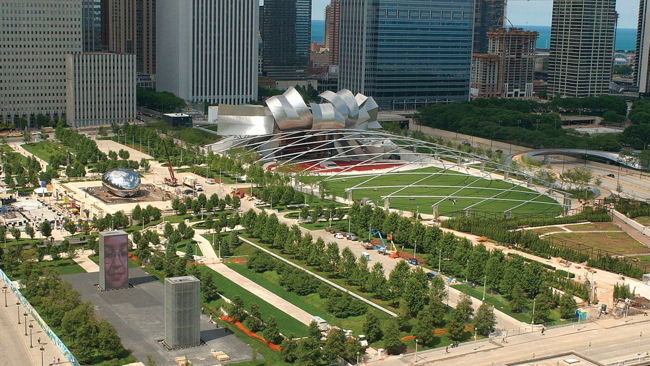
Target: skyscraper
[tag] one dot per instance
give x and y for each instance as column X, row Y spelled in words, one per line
column 130, row 27
column 516, row 51
column 286, row 34
column 582, row 47
column 34, row 43
column 92, row 25
column 406, row 53
column 208, row 49
column 488, row 16
column 642, row 61
column 332, row 25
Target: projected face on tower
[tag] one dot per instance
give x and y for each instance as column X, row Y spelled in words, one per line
column 114, row 247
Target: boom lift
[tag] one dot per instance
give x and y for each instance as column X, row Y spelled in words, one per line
column 169, row 181
column 382, row 249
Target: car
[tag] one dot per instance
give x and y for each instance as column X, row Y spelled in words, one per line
column 611, row 175
column 338, row 236
column 198, row 187
column 351, row 236
column 431, row 276
column 412, row 261
column 210, row 181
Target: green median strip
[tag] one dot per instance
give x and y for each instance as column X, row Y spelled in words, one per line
column 229, row 289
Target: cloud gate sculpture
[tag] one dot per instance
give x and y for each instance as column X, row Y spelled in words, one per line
column 289, row 112
column 121, row 182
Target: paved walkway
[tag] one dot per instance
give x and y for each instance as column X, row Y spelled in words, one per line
column 81, row 258
column 19, row 149
column 14, row 345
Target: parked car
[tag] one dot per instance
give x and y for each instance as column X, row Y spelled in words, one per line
column 338, row 236
column 412, row 261
column 210, row 181
column 611, row 175
column 351, row 236
column 431, row 276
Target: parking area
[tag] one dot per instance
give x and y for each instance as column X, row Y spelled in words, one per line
column 32, row 211
column 138, row 315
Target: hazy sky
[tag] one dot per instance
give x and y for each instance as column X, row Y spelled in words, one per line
column 531, row 12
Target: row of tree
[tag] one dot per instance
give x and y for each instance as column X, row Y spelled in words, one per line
column 91, row 340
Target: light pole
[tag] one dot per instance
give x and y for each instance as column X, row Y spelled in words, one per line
column 532, row 319
column 474, row 338
column 25, row 322
column 484, row 282
column 42, row 349
column 18, row 311
column 4, row 290
column 31, row 344
column 415, row 358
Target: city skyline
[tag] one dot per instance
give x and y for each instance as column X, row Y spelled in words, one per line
column 533, row 13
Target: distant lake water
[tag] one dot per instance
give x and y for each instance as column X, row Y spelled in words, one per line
column 625, row 38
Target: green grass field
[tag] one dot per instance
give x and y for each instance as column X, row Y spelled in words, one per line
column 44, row 149
column 452, row 183
column 62, row 266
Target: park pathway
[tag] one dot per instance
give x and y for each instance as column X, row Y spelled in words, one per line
column 84, row 262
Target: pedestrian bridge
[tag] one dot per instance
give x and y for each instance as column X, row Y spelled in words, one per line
column 612, row 157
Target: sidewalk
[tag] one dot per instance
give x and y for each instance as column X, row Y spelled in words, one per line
column 84, row 262
column 14, row 345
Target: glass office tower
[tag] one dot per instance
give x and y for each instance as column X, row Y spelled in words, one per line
column 407, row 53
column 286, row 34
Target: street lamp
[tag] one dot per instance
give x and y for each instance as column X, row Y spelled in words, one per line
column 415, row 358
column 25, row 322
column 532, row 319
column 474, row 338
column 42, row 349
column 4, row 290
column 31, row 344
column 18, row 311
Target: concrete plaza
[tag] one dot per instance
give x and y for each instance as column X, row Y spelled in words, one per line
column 138, row 315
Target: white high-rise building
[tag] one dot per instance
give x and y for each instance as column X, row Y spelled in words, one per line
column 207, row 50
column 642, row 61
column 35, row 37
column 100, row 88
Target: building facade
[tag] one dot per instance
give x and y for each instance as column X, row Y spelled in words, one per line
column 332, row 26
column 582, row 47
column 642, row 60
column 406, row 53
column 211, row 49
column 182, row 309
column 488, row 16
column 516, row 50
column 35, row 37
column 130, row 27
column 487, row 78
column 100, row 89
column 92, row 25
column 286, row 33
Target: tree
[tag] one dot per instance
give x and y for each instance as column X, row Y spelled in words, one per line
column 464, row 307
column 542, row 307
column 254, row 319
column 123, row 154
column 456, row 329
column 208, row 287
column 334, row 345
column 438, row 311
column 271, row 333
column 236, row 309
column 392, row 341
column 372, row 328
column 414, row 295
column 15, row 232
column 288, row 348
column 109, row 341
column 437, row 289
column 29, row 230
column 567, row 306
column 485, row 319
column 424, row 326
column 518, row 299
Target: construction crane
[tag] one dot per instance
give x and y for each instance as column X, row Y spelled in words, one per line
column 382, row 248
column 169, row 181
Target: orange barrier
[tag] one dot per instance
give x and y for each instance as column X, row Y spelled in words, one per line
column 243, row 329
